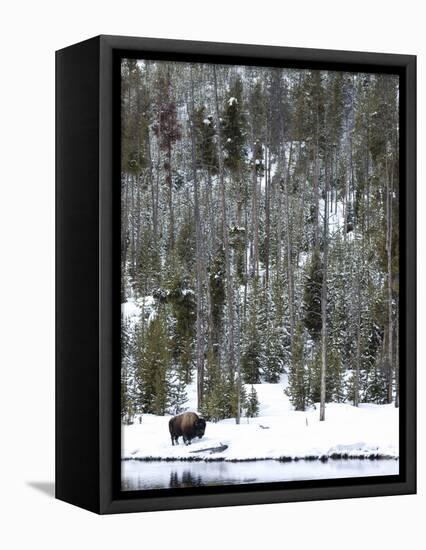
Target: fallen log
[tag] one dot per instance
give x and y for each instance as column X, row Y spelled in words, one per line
column 212, row 450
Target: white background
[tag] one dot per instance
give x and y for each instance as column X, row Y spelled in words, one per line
column 30, row 32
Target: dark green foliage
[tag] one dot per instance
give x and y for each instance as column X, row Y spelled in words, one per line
column 231, row 397
column 148, row 264
column 237, row 240
column 178, row 397
column 135, row 125
column 383, row 113
column 274, row 354
column 185, row 245
column 127, row 374
column 312, row 101
column 376, row 383
column 334, row 109
column 153, row 366
column 298, row 381
column 257, row 124
column 217, row 295
column 234, row 132
column 252, row 404
column 335, row 382
column 251, row 359
column 250, row 362
column 313, row 385
column 181, row 299
column 205, row 139
column 166, row 126
column 214, row 406
column 220, row 397
column 336, row 389
column 312, row 295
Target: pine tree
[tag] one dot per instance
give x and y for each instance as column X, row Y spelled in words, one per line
column 153, row 366
column 212, row 403
column 252, row 407
column 335, row 388
column 177, row 394
column 181, row 298
column 312, row 295
column 136, row 101
column 204, row 125
column 234, row 123
column 274, row 354
column 147, row 263
column 297, row 376
column 128, row 405
column 220, row 395
column 217, row 299
column 251, row 360
column 314, row 376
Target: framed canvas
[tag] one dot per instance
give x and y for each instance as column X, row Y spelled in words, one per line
column 236, row 278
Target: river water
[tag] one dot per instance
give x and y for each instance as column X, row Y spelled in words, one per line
column 139, row 475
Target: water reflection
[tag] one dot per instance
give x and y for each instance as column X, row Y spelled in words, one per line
column 185, row 479
column 138, row 475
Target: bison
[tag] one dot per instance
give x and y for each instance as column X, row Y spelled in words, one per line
column 188, row 425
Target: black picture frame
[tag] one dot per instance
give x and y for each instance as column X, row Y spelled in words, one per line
column 88, row 275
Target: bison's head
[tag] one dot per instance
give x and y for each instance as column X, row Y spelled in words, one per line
column 200, row 427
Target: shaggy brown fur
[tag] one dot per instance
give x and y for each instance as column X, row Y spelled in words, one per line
column 188, row 425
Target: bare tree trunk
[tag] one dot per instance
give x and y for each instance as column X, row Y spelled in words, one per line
column 211, row 212
column 358, row 357
column 154, row 192
column 132, row 225
column 238, row 417
column 279, row 231
column 389, row 281
column 346, row 204
column 229, row 285
column 255, row 221
column 125, row 217
column 267, row 207
column 246, row 267
column 300, row 225
column 316, row 192
column 139, row 209
column 397, row 357
column 289, row 248
column 324, row 308
column 154, row 204
column 170, row 199
column 158, row 170
column 199, row 266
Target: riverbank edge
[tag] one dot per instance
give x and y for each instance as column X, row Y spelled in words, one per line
column 321, row 458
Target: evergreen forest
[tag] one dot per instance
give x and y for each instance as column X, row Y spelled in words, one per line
column 259, row 237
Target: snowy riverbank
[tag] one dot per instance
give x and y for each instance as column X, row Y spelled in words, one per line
column 279, row 432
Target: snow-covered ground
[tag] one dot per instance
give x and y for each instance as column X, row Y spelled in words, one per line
column 279, row 432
